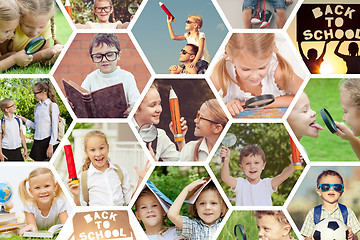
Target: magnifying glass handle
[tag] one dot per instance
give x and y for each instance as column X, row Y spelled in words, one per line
column 222, row 159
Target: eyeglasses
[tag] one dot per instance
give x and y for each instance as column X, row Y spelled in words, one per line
column 325, row 187
column 11, row 106
column 37, row 92
column 185, row 52
column 106, row 9
column 188, row 21
column 199, row 117
column 98, row 57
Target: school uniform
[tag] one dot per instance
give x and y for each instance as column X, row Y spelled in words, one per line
column 11, row 140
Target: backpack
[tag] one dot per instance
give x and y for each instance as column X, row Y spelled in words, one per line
column 343, row 209
column 84, row 186
column 61, row 125
column 3, row 126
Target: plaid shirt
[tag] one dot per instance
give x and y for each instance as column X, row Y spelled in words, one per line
column 309, row 225
column 197, row 230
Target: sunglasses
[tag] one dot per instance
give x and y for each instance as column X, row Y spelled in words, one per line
column 325, row 187
column 106, row 9
column 200, row 117
column 11, row 106
column 188, row 21
column 185, row 52
column 98, row 57
column 37, row 92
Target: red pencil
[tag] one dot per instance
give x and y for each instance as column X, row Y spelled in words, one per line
column 70, row 163
column 166, row 11
column 68, row 8
column 295, row 155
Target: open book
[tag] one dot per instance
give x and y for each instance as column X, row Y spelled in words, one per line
column 108, row 102
column 194, row 194
column 45, row 234
column 162, row 198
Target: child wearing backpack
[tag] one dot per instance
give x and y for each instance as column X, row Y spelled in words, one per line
column 11, row 135
column 330, row 187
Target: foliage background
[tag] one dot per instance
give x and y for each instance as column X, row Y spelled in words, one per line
column 274, row 140
column 83, row 10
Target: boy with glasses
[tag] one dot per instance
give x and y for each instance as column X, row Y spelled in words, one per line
column 105, row 53
column 11, row 135
column 187, row 55
column 330, row 187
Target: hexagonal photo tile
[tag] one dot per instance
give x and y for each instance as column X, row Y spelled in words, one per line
column 110, row 71
column 101, row 14
column 329, row 192
column 327, row 36
column 314, row 112
column 257, row 14
column 265, row 175
column 262, row 65
column 192, row 111
column 203, row 28
column 25, row 189
column 102, row 164
column 38, row 39
column 260, row 224
column 202, row 212
column 34, row 119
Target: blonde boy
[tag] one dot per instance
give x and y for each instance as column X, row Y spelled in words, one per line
column 11, row 135
column 252, row 191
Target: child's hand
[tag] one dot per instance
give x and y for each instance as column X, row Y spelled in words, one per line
column 127, row 111
column 22, row 59
column 50, row 151
column 351, row 234
column 74, row 188
column 142, row 172
column 194, row 184
column 152, row 152
column 27, row 228
column 344, row 132
column 169, row 20
column 184, row 127
column 2, row 157
column 22, row 118
column 234, row 107
column 175, row 69
column 53, row 54
column 225, row 154
column 25, row 155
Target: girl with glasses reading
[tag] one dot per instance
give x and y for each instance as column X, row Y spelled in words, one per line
column 209, row 123
column 194, row 36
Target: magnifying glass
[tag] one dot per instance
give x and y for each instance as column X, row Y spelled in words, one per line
column 328, row 120
column 239, row 232
column 133, row 7
column 35, row 45
column 228, row 141
column 148, row 132
column 259, row 101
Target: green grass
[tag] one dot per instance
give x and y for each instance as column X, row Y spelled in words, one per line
column 63, row 32
column 324, row 93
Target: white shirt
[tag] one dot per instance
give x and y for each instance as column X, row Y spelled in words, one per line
column 205, row 55
column 97, row 80
column 105, row 188
column 43, row 125
column 248, row 194
column 169, row 234
column 110, row 25
column 11, row 140
column 45, row 222
column 187, row 153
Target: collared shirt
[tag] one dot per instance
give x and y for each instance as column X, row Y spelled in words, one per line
column 187, row 153
column 309, row 225
column 197, row 230
column 43, row 125
column 11, row 140
column 105, row 188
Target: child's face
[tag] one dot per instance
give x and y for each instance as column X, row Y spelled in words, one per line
column 105, row 65
column 102, row 10
column 11, row 107
column 251, row 71
column 330, row 196
column 252, row 167
column 149, row 211
column 271, row 229
column 191, row 25
column 208, row 206
column 42, row 188
column 302, row 119
column 97, row 150
column 32, row 26
column 204, row 128
column 351, row 113
column 150, row 109
column 7, row 29
column 39, row 95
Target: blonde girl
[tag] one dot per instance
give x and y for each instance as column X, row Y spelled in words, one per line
column 149, row 111
column 350, row 102
column 106, row 184
column 46, row 120
column 203, row 225
column 103, row 17
column 150, row 212
column 42, row 199
column 194, row 36
column 252, row 66
column 9, row 20
column 37, row 19
column 209, row 123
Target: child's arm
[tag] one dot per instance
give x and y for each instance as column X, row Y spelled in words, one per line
column 23, row 142
column 336, row 51
column 48, row 55
column 184, row 129
column 199, row 53
column 31, row 224
column 175, row 69
column 63, row 217
column 75, row 190
column 171, row 31
column 301, row 51
column 174, row 211
column 345, row 133
column 235, row 107
column 20, row 58
column 285, row 174
column 2, row 156
column 324, row 50
column 141, row 173
column 225, row 173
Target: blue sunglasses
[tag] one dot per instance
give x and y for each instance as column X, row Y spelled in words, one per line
column 325, row 187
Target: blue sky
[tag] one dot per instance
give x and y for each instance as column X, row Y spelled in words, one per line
column 151, row 30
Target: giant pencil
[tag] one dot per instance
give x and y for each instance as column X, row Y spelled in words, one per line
column 70, row 163
column 168, row 13
column 175, row 115
column 295, row 155
column 68, row 8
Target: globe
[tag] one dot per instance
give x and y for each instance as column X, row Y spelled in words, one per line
column 5, row 193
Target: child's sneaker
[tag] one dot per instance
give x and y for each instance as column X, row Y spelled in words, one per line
column 267, row 19
column 257, row 16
